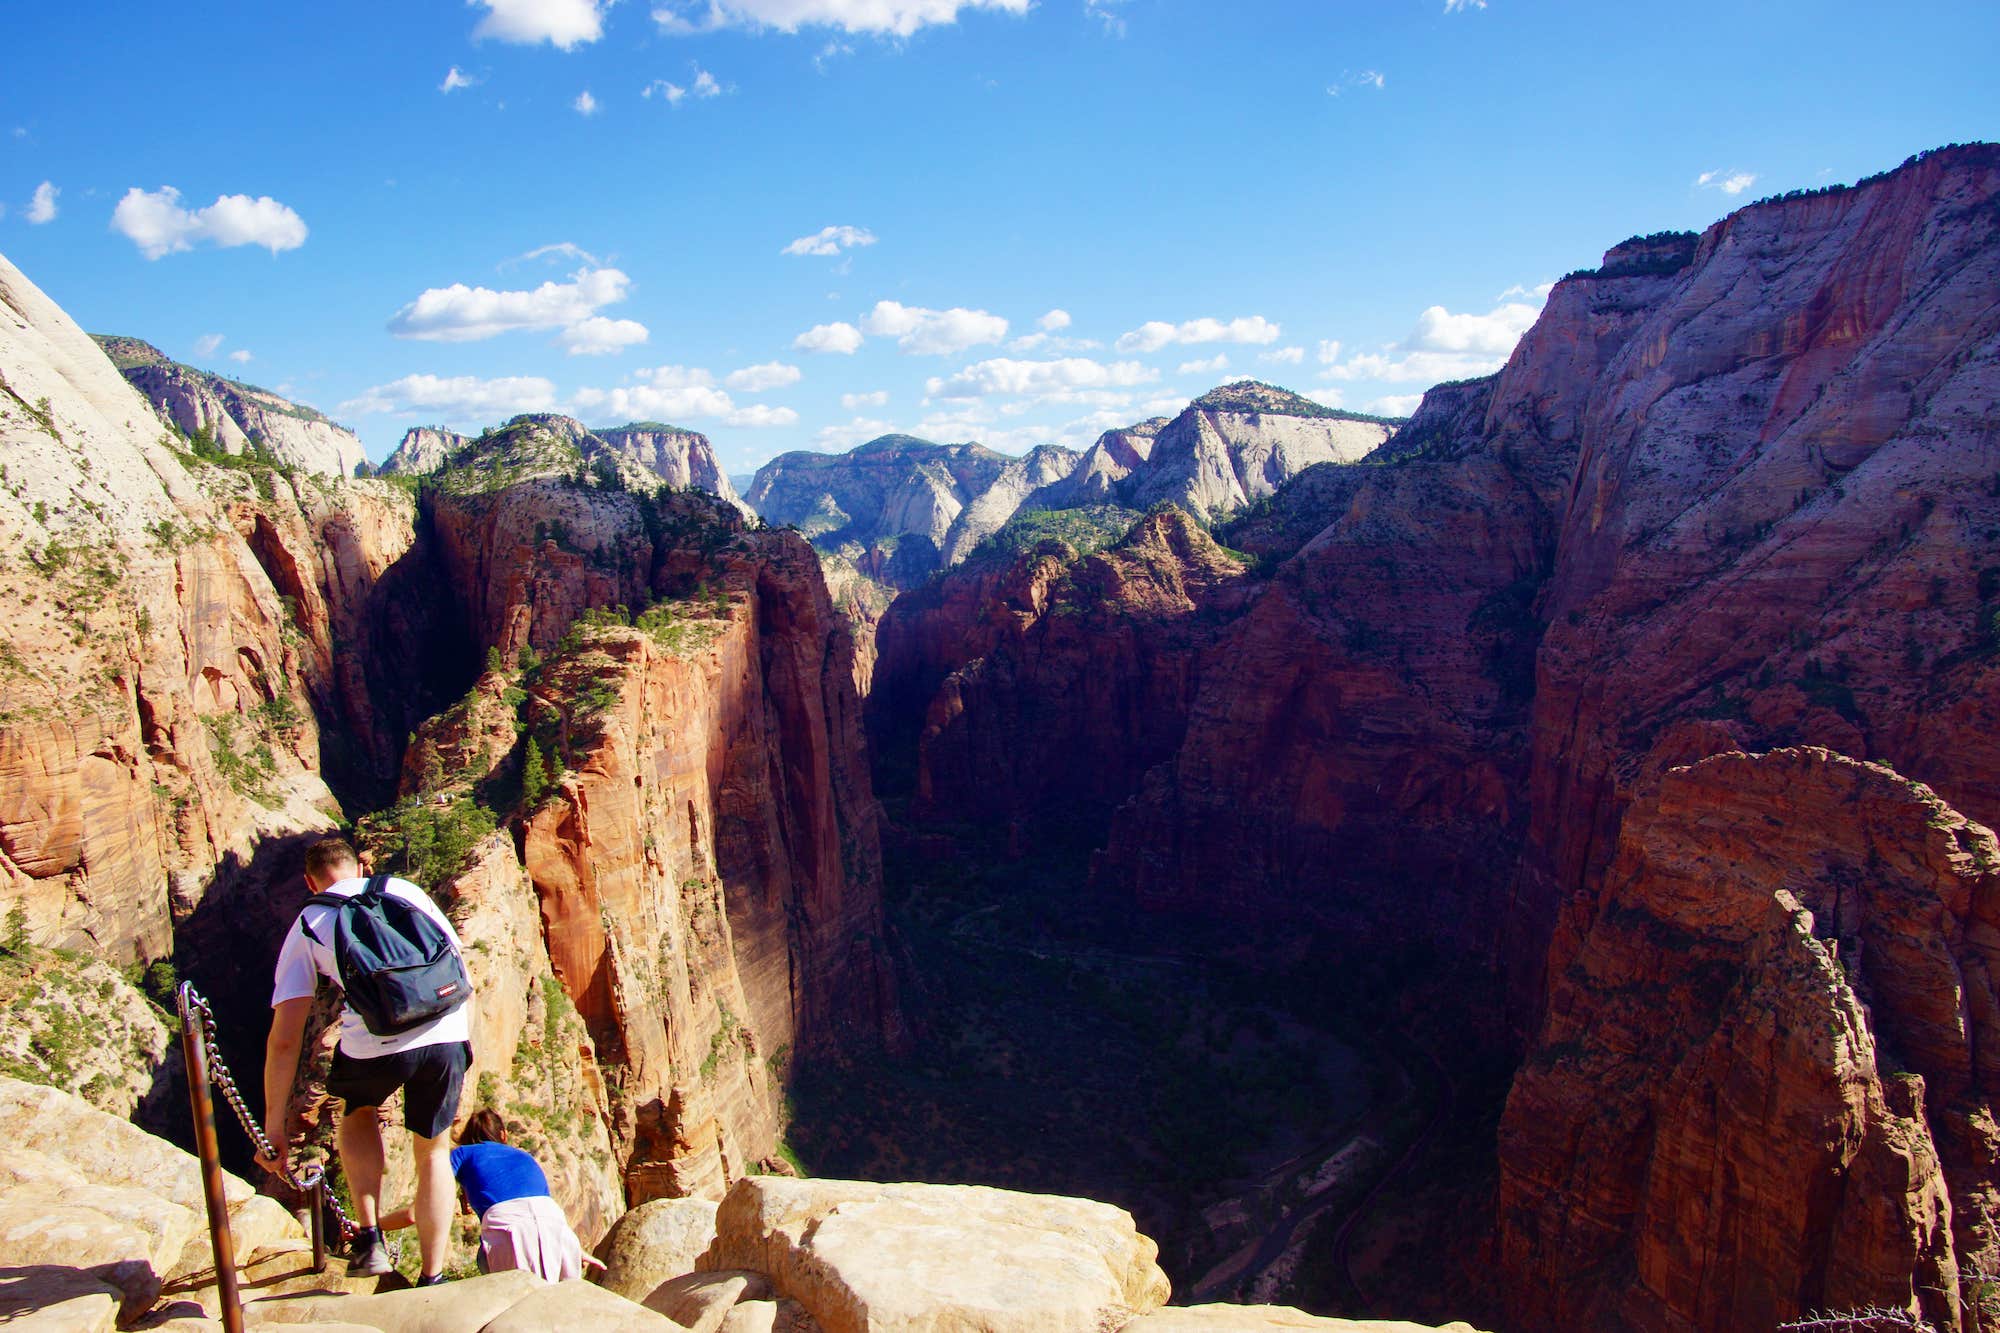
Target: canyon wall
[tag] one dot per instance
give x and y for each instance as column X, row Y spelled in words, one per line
column 1733, row 492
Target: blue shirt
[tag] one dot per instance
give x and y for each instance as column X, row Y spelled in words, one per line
column 491, row 1173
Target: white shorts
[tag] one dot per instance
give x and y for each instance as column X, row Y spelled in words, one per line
column 532, row 1234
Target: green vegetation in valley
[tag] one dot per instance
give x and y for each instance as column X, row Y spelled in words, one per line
column 1086, row 530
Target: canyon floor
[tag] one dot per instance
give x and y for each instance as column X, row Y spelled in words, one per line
column 1246, row 1100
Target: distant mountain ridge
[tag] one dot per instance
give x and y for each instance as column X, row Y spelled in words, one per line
column 240, row 418
column 641, row 454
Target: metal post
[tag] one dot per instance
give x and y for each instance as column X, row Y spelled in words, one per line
column 317, row 1202
column 195, row 1052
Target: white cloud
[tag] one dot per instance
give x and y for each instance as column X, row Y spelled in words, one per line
column 759, row 415
column 1731, row 183
column 831, row 51
column 568, row 250
column 898, row 18
column 1053, row 380
column 1395, row 404
column 241, row 356
column 1220, row 361
column 1367, row 78
column 858, row 431
column 1539, row 293
column 585, row 104
column 1053, row 322
column 855, row 401
column 1462, row 6
column 705, row 84
column 207, row 343
column 1284, row 356
column 1328, row 397
column 601, row 336
column 663, row 393
column 42, row 208
column 158, row 225
column 459, row 313
column 1105, row 12
column 563, row 24
column 1329, row 351
column 454, row 79
column 1443, row 346
column 459, row 398
column 672, row 92
column 838, row 337
column 1155, row 334
column 922, row 332
column 830, row 241
column 763, row 378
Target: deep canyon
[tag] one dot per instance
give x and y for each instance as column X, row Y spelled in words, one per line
column 1529, row 863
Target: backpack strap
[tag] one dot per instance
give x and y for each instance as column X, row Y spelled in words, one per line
column 377, row 885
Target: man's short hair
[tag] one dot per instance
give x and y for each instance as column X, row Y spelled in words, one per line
column 329, row 854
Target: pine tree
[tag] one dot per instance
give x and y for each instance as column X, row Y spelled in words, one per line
column 534, row 777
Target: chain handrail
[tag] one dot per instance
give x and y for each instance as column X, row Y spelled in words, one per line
column 199, row 1018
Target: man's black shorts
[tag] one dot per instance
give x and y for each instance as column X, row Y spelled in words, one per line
column 431, row 1078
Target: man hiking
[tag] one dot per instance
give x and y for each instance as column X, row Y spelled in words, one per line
column 404, row 1025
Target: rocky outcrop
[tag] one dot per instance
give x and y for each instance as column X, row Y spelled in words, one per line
column 74, row 1022
column 1814, row 1128
column 153, row 727
column 423, row 450
column 1232, row 445
column 235, row 417
column 681, row 458
column 988, row 512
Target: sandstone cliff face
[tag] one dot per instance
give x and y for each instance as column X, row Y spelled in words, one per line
column 238, row 417
column 680, row 458
column 1733, row 491
column 989, row 511
column 707, row 871
column 152, row 726
column 1814, row 1128
column 424, row 449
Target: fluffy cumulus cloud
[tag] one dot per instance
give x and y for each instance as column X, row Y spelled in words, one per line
column 601, row 336
column 1731, row 183
column 241, row 356
column 207, row 343
column 897, row 18
column 459, row 313
column 42, row 207
column 670, row 393
column 854, row 402
column 1395, row 404
column 763, row 378
column 1155, row 334
column 1220, row 361
column 1443, row 346
column 831, row 241
column 838, row 336
column 847, row 435
column 454, row 79
column 455, row 399
column 564, row 24
column 1053, row 322
column 704, row 85
column 1284, row 356
column 156, row 223
column 1058, row 380
column 585, row 104
column 923, row 332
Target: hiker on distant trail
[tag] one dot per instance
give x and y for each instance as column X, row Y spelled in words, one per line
column 520, row 1226
column 404, row 1025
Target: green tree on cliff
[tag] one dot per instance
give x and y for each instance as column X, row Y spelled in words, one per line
column 534, row 777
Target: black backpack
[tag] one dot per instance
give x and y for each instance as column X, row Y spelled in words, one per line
column 396, row 964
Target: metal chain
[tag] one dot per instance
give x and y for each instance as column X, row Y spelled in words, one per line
column 196, row 1013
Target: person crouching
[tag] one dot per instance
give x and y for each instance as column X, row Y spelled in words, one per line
column 520, row 1225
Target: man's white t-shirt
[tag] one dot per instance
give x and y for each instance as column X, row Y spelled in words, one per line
column 303, row 960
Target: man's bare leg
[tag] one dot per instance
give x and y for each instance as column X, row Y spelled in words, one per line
column 361, row 1156
column 436, row 1199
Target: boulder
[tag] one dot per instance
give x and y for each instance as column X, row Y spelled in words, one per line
column 869, row 1258
column 455, row 1307
column 579, row 1304
column 768, row 1317
column 1260, row 1318
column 47, row 1298
column 654, row 1243
column 702, row 1301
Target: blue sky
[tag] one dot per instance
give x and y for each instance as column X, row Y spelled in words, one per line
column 800, row 223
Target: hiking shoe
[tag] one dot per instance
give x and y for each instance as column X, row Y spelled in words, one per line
column 434, row 1280
column 368, row 1256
